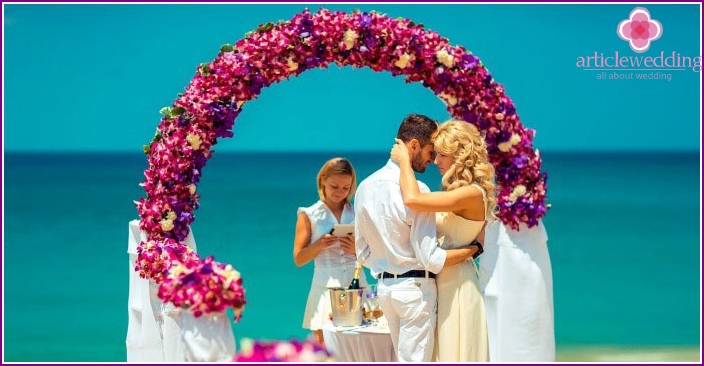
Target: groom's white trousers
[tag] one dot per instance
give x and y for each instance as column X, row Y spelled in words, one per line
column 410, row 307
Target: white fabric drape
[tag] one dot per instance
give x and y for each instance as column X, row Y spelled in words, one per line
column 158, row 332
column 518, row 295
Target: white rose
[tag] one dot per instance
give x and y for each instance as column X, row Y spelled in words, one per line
column 176, row 270
column 171, row 215
column 403, row 61
column 515, row 139
column 292, row 66
column 445, row 58
column 166, row 224
column 192, row 189
column 505, row 146
column 450, row 99
column 194, row 140
column 349, row 38
column 230, row 274
column 518, row 191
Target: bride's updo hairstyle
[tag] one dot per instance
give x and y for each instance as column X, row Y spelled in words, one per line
column 462, row 141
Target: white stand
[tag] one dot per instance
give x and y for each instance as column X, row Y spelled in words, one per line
column 518, row 295
column 158, row 332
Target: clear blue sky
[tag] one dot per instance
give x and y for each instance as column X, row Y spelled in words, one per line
column 93, row 77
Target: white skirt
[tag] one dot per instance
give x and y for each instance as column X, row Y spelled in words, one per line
column 318, row 308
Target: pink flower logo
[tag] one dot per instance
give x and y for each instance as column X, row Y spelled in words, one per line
column 639, row 30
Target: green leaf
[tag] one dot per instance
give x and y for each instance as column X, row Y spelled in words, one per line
column 145, row 148
column 203, row 69
column 175, row 112
column 165, row 111
column 226, row 48
column 411, row 23
column 265, row 27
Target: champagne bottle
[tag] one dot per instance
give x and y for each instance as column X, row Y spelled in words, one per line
column 354, row 285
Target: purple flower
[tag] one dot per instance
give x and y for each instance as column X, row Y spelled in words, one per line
column 520, row 161
column 223, row 114
column 312, row 62
column 503, row 136
column 190, row 278
column 487, row 79
column 415, row 44
column 469, row 61
column 199, row 161
column 195, row 175
column 184, row 119
column 370, row 41
column 207, row 268
column 483, row 123
column 255, row 85
column 470, row 117
column 305, row 27
column 507, row 110
column 185, row 216
column 180, row 231
column 507, row 173
column 366, row 20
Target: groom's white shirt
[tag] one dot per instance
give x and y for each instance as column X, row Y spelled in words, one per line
column 389, row 236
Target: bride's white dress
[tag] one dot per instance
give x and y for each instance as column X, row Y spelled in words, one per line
column 461, row 333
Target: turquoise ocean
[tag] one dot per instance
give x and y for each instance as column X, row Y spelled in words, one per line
column 624, row 240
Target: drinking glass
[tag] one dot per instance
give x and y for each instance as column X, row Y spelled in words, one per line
column 373, row 305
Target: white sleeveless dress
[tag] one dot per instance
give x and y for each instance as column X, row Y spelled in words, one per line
column 461, row 333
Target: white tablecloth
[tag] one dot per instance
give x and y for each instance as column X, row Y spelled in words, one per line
column 158, row 332
column 359, row 344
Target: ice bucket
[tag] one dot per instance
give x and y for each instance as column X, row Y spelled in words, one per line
column 346, row 306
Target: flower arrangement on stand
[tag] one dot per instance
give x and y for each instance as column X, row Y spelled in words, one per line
column 204, row 287
column 277, row 51
column 282, row 351
column 155, row 258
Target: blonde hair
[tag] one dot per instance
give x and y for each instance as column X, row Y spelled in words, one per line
column 462, row 141
column 336, row 166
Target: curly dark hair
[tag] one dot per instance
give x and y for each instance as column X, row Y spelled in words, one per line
column 419, row 127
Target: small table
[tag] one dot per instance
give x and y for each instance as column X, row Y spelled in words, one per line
column 365, row 343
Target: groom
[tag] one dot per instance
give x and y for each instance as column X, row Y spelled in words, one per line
column 400, row 246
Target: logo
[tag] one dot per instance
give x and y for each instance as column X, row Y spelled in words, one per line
column 639, row 30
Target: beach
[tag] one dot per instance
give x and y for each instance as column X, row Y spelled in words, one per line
column 656, row 354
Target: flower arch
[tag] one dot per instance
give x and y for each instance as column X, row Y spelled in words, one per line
column 217, row 93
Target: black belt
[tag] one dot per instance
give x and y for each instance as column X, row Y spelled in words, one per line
column 411, row 273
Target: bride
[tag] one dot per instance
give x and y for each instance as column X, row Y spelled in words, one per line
column 465, row 202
